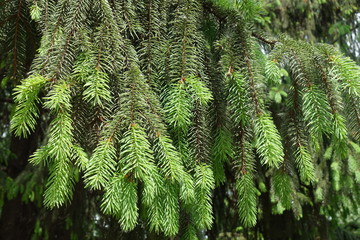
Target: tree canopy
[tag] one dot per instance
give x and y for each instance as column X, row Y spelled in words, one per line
column 180, row 119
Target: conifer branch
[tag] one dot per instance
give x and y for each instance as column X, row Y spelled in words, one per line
column 252, row 83
column 127, row 98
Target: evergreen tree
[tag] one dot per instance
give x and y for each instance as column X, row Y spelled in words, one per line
column 158, row 116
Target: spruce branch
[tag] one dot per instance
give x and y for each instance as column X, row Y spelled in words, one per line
column 247, row 199
column 282, row 186
column 120, row 199
column 268, row 141
column 26, row 98
column 101, row 165
column 60, row 184
column 204, row 184
column 245, row 184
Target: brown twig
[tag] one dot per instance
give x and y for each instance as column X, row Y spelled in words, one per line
column 261, row 38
